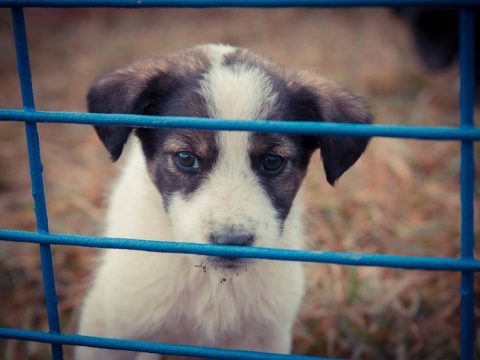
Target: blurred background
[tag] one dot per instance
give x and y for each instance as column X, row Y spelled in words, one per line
column 400, row 198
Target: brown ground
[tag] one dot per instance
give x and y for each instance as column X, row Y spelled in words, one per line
column 401, row 198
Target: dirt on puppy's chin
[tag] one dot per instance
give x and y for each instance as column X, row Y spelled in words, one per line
column 225, row 269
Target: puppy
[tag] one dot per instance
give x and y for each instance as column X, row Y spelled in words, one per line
column 228, row 188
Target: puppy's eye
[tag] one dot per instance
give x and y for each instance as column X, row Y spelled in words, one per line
column 186, row 160
column 272, row 164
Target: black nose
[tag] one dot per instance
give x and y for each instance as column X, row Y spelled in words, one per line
column 228, row 239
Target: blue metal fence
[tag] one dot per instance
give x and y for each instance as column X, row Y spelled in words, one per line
column 466, row 132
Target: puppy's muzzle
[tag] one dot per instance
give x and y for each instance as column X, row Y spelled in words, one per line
column 230, row 239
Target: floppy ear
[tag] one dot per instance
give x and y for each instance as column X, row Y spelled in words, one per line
column 129, row 90
column 315, row 98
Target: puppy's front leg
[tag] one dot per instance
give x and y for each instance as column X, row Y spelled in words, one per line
column 95, row 322
column 278, row 341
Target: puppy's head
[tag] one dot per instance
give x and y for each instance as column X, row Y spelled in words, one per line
column 229, row 188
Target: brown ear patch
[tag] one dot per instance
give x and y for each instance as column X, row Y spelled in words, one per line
column 134, row 88
column 120, row 91
column 337, row 104
column 320, row 99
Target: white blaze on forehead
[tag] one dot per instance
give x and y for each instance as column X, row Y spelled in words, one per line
column 233, row 195
column 238, row 91
column 233, row 154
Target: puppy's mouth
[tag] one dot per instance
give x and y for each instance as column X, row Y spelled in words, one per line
column 228, row 263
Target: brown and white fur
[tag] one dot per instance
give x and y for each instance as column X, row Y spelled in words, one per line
column 237, row 188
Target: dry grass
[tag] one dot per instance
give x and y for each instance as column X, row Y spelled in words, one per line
column 401, row 198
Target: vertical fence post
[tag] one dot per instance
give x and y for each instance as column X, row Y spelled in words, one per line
column 36, row 169
column 467, row 175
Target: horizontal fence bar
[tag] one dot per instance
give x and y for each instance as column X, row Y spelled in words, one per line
column 232, row 3
column 340, row 258
column 287, row 127
column 145, row 346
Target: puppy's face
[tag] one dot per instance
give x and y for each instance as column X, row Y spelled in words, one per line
column 228, row 188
